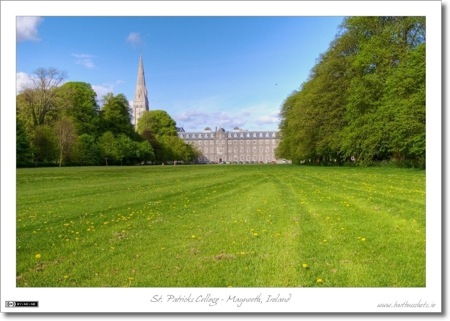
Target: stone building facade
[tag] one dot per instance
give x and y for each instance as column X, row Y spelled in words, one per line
column 237, row 146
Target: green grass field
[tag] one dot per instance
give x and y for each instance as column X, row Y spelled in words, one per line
column 220, row 226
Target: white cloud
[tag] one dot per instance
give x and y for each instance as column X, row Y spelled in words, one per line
column 23, row 80
column 273, row 118
column 135, row 39
column 84, row 59
column 103, row 89
column 27, row 28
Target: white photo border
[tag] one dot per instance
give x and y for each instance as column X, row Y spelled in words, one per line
column 144, row 300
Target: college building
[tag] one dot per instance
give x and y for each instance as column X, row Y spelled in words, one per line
column 238, row 146
column 219, row 146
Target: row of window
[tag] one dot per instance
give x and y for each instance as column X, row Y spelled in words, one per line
column 241, row 158
column 230, row 142
column 206, row 150
column 230, row 135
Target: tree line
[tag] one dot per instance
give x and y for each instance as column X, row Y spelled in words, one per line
column 364, row 100
column 61, row 123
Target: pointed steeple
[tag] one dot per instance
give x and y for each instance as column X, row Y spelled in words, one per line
column 140, row 102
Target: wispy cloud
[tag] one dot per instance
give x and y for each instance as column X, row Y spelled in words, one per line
column 218, row 111
column 84, row 59
column 27, row 28
column 194, row 120
column 134, row 38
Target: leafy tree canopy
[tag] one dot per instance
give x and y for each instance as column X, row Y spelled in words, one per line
column 157, row 122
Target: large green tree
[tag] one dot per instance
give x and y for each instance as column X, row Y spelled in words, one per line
column 44, row 144
column 107, row 146
column 78, row 101
column 156, row 126
column 23, row 150
column 38, row 104
column 383, row 45
column 144, row 151
column 125, row 148
column 66, row 138
column 158, row 123
column 87, row 151
column 365, row 97
column 116, row 115
column 403, row 105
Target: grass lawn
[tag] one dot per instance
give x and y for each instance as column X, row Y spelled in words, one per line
column 220, row 226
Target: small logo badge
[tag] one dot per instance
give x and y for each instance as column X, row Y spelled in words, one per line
column 22, row 304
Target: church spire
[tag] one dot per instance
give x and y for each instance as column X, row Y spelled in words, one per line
column 140, row 102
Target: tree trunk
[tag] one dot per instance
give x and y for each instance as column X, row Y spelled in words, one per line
column 60, row 158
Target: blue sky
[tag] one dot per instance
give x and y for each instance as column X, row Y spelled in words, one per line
column 204, row 71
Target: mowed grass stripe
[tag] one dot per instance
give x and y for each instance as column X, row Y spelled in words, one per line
column 356, row 235
column 220, row 226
